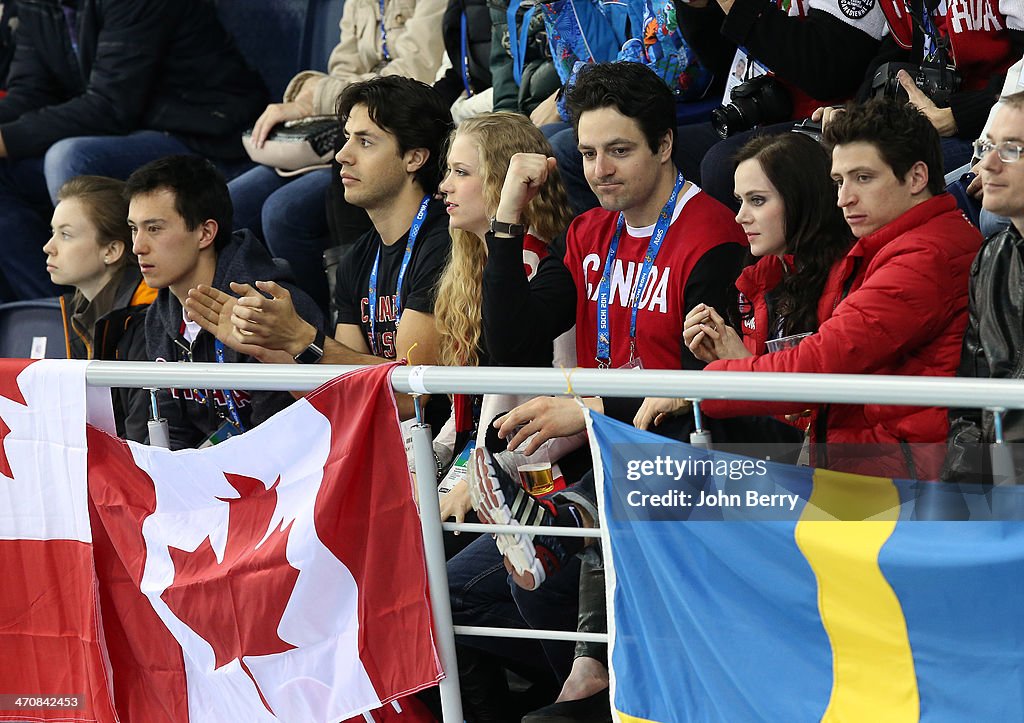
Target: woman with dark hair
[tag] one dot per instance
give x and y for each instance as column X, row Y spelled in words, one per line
column 797, row 232
column 90, row 250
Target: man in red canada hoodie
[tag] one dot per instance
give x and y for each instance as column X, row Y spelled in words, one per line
column 895, row 304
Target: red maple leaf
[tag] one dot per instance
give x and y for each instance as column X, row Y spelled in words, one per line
column 9, row 388
column 236, row 605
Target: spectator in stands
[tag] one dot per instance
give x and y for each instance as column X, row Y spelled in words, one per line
column 993, row 342
column 389, row 38
column 503, row 299
column 179, row 213
column 466, row 84
column 980, row 42
column 895, row 304
column 89, row 250
column 797, row 41
column 390, row 166
column 101, row 88
column 624, row 117
column 798, row 232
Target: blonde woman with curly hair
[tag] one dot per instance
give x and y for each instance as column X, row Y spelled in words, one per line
column 504, row 297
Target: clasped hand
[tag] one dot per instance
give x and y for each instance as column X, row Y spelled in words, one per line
column 708, row 336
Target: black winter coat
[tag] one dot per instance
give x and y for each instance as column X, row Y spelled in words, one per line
column 993, row 349
column 193, row 415
column 165, row 65
column 478, row 48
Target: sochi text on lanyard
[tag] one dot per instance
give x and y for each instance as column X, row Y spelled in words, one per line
column 232, row 408
column 417, row 223
column 604, row 336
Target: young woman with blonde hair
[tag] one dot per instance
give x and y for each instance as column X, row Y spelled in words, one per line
column 504, row 297
column 503, row 300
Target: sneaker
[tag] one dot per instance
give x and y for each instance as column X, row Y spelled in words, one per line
column 500, row 499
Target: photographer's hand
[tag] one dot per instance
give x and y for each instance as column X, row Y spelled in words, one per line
column 941, row 118
column 825, row 115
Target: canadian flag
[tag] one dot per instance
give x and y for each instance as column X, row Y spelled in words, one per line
column 276, row 576
column 52, row 661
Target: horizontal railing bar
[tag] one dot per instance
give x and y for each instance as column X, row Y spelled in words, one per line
column 806, row 388
column 529, row 633
column 520, row 529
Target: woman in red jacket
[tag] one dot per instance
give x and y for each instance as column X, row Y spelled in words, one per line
column 796, row 231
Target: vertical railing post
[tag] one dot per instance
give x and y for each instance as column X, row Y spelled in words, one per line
column 437, row 572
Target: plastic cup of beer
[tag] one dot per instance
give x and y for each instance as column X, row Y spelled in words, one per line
column 536, row 478
column 786, row 342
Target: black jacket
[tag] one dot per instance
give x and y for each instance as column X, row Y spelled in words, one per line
column 801, row 51
column 993, row 349
column 165, row 65
column 193, row 415
column 478, row 48
column 118, row 335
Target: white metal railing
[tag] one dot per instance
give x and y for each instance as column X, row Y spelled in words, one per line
column 994, row 394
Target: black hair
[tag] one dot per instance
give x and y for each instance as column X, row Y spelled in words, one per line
column 632, row 89
column 902, row 134
column 816, row 232
column 200, row 191
column 408, row 109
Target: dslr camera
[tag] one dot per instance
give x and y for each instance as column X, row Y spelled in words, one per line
column 758, row 101
column 936, row 80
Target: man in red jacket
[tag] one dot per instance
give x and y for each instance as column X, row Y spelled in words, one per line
column 895, row 304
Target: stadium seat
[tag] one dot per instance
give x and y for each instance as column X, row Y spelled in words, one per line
column 279, row 38
column 322, row 33
column 32, row 329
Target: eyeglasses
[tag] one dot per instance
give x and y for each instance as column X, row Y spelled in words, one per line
column 1007, row 151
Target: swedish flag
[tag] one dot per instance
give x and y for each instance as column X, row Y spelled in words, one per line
column 769, row 592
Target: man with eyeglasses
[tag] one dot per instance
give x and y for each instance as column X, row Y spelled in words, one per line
column 995, row 330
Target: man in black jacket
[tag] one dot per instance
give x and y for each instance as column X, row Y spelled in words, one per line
column 101, row 87
column 995, row 324
column 180, row 216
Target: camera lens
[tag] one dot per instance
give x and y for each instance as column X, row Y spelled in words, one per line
column 727, row 120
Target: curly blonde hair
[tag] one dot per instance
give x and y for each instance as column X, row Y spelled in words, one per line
column 457, row 311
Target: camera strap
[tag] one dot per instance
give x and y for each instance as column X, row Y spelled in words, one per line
column 936, row 47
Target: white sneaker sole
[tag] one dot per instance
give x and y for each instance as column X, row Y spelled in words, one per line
column 490, row 503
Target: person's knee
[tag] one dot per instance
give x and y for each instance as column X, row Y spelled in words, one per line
column 64, row 160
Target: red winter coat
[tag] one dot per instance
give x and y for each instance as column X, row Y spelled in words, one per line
column 895, row 304
column 753, row 285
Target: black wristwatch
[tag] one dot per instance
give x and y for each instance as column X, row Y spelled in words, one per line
column 510, row 229
column 314, row 352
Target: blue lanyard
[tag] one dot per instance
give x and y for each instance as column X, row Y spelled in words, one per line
column 417, row 223
column 931, row 42
column 518, row 36
column 232, row 409
column 383, row 36
column 465, row 55
column 604, row 355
